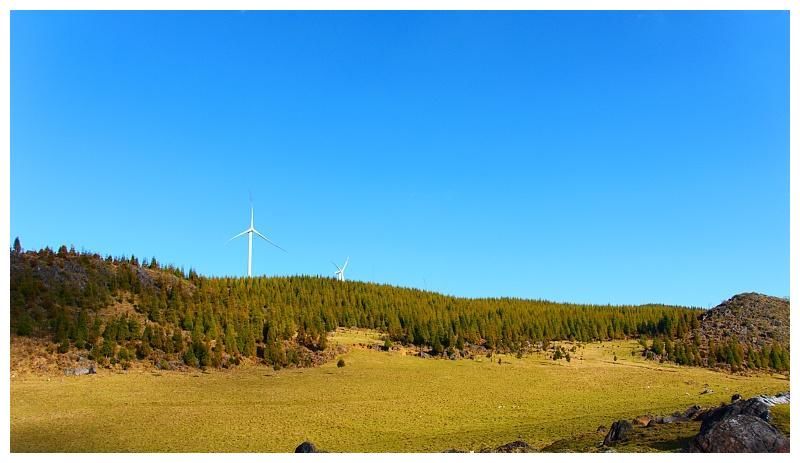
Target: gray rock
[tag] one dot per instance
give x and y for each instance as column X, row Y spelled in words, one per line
column 618, row 433
column 741, row 434
column 306, row 447
column 782, row 398
column 742, row 426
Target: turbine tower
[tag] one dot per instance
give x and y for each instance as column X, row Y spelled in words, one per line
column 250, row 232
column 340, row 271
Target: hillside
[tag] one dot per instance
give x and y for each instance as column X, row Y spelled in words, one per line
column 119, row 310
column 748, row 331
column 754, row 319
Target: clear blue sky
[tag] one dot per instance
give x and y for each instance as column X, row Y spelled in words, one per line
column 588, row 157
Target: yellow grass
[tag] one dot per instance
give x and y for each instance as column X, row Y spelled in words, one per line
column 379, row 402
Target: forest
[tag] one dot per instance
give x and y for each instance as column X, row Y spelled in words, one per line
column 201, row 321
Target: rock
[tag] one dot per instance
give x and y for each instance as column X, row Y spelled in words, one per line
column 306, row 447
column 517, row 446
column 736, row 398
column 742, row 426
column 706, row 391
column 80, row 371
column 691, row 413
column 643, row 420
column 754, row 407
column 782, row 398
column 740, row 434
column 618, row 433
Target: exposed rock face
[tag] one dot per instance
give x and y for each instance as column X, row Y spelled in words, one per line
column 306, row 447
column 618, row 433
column 742, row 426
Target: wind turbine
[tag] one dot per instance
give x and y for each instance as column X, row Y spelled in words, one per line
column 250, row 232
column 340, row 271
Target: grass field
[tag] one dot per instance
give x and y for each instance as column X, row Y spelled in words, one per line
column 379, row 402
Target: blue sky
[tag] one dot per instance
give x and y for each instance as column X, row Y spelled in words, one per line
column 588, row 157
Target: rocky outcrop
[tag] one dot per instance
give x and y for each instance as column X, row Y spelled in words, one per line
column 755, row 320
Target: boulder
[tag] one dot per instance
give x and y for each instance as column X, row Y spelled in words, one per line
column 306, row 447
column 753, row 407
column 736, row 398
column 742, row 426
column 618, row 433
column 740, row 434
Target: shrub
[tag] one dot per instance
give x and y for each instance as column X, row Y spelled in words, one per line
column 340, row 363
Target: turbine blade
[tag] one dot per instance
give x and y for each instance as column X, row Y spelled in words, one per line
column 268, row 240
column 347, row 261
column 240, row 234
column 337, row 267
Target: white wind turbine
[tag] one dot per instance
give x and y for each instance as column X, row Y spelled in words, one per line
column 250, row 232
column 340, row 271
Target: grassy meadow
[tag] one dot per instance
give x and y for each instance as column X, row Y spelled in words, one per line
column 378, row 402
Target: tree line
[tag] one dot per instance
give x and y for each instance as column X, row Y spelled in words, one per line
column 202, row 321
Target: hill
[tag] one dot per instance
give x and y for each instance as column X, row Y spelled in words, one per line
column 120, row 310
column 756, row 320
column 747, row 331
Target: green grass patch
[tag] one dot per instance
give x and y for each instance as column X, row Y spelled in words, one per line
column 780, row 417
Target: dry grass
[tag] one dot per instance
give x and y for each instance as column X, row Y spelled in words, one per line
column 379, row 402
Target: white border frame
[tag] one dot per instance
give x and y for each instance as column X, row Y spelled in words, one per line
column 5, row 96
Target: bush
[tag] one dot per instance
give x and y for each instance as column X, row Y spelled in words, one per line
column 340, row 363
column 63, row 347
